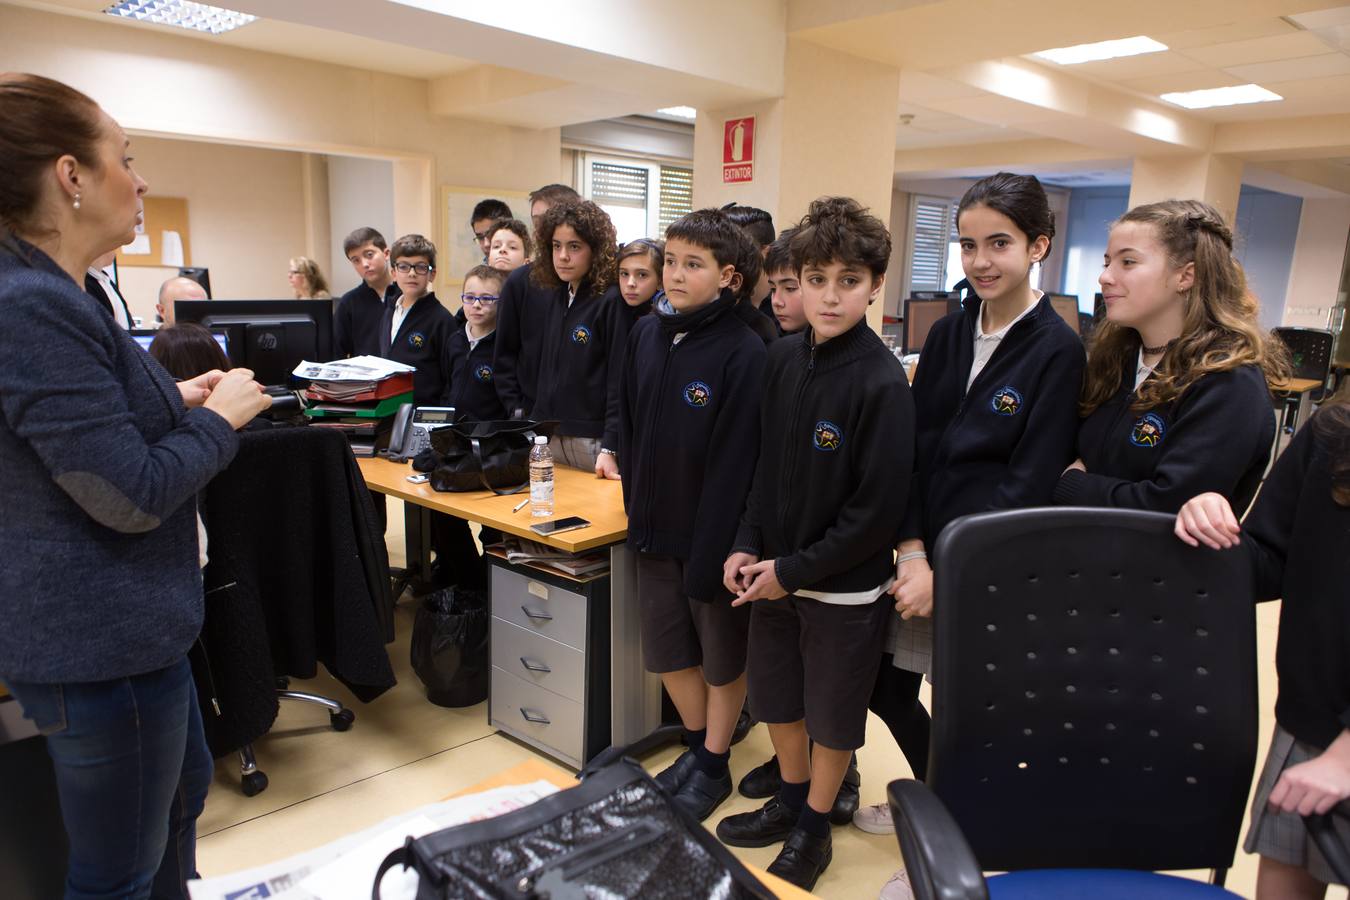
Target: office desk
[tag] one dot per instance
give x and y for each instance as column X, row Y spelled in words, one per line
column 528, row 772
column 634, row 693
column 1294, row 402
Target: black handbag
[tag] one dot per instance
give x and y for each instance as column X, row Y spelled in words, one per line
column 615, row 835
column 471, row 456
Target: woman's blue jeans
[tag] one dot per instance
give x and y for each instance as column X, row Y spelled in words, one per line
column 132, row 771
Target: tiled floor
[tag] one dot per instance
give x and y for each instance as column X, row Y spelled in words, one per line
column 404, row 752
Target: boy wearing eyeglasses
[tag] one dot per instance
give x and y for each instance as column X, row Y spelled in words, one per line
column 467, row 356
column 414, row 330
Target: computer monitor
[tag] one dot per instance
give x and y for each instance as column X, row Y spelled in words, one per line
column 1067, row 307
column 146, row 336
column 920, row 317
column 201, row 276
column 271, row 337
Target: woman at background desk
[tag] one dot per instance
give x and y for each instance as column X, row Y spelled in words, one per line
column 101, row 457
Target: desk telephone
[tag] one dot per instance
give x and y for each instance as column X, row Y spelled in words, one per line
column 413, row 426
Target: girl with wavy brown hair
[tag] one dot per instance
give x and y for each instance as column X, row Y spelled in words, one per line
column 1175, row 399
column 584, row 332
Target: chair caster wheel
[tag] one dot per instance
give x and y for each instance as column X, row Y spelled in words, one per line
column 254, row 783
column 342, row 721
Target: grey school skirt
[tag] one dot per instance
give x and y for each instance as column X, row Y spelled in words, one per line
column 1281, row 835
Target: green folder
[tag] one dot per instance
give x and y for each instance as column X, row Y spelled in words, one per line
column 383, row 408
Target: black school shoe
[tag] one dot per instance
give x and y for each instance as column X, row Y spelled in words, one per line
column 846, row 801
column 701, row 793
column 743, row 725
column 767, row 825
column 803, row 859
column 762, row 781
column 673, row 777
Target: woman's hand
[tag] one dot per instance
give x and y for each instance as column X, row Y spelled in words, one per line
column 731, row 571
column 1208, row 519
column 761, row 583
column 237, row 398
column 1318, row 784
column 196, row 390
column 607, row 466
column 913, row 589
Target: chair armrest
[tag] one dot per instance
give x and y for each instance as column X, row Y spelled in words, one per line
column 940, row 863
column 1323, row 831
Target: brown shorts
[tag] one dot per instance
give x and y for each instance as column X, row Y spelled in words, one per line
column 816, row 661
column 680, row 633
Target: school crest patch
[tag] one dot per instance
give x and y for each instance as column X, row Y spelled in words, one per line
column 827, row 436
column 697, row 394
column 581, row 335
column 1006, row 401
column 417, row 339
column 483, row 373
column 1148, row 431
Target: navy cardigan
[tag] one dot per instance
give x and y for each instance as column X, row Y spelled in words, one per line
column 100, row 465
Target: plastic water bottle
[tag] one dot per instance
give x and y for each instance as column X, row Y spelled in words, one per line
column 541, row 479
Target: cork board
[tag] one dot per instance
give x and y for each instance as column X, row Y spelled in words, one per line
column 161, row 214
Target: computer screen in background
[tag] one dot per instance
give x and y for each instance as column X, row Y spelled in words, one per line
column 271, row 337
column 146, row 336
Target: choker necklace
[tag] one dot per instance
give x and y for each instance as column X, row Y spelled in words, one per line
column 1154, row 351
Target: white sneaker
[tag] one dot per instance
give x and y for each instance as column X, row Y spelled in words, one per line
column 897, row 888
column 874, row 819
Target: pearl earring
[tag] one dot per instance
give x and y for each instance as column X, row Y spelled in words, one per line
column 76, row 204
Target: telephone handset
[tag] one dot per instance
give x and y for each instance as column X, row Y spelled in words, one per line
column 413, row 426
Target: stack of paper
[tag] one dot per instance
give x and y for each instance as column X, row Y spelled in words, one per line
column 364, row 387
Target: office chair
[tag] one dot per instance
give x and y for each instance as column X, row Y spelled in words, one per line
column 921, row 314
column 1094, row 710
column 1067, row 307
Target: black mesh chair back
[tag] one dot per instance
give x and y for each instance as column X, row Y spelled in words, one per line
column 1310, row 351
column 1094, row 691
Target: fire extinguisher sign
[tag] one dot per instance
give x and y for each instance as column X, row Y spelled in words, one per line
column 738, row 150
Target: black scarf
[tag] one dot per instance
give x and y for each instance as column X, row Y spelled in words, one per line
column 683, row 323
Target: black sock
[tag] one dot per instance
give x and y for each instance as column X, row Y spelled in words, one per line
column 694, row 739
column 794, row 795
column 714, row 765
column 812, row 822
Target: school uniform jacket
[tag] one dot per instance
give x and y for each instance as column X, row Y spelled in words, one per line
column 419, row 343
column 471, row 388
column 688, row 439
column 1003, row 443
column 835, row 463
column 1298, row 539
column 356, row 321
column 521, row 311
column 766, row 329
column 1216, row 437
column 581, row 362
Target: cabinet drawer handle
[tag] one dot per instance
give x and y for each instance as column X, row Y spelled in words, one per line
column 539, row 616
column 534, row 718
column 534, row 666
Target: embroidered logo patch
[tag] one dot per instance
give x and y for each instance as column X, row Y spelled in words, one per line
column 1148, row 431
column 483, row 373
column 828, row 436
column 581, row 335
column 1006, row 402
column 697, row 394
column 417, row 339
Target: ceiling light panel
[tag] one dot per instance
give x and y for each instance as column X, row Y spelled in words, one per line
column 181, row 14
column 1222, row 96
column 1082, row 53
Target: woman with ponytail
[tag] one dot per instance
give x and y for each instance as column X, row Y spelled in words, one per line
column 1175, row 400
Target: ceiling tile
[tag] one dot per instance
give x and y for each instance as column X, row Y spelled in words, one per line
column 1186, row 81
column 1269, row 73
column 1339, row 15
column 1267, row 49
column 1226, row 33
column 1164, row 63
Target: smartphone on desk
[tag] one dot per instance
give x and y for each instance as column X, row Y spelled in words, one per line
column 557, row 526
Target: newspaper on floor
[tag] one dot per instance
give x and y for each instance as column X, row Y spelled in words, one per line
column 359, row 368
column 345, row 869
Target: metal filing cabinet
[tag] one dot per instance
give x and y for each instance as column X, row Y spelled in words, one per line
column 550, row 658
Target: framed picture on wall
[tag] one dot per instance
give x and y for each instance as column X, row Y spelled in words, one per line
column 459, row 251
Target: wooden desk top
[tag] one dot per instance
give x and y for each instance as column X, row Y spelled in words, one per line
column 1296, row 385
column 575, row 493
column 538, row 770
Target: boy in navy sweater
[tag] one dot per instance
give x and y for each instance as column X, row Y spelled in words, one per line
column 356, row 321
column 688, row 414
column 785, row 286
column 814, row 550
column 467, row 355
column 415, row 328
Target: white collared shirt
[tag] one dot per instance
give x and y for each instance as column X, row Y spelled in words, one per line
column 400, row 313
column 986, row 344
column 1142, row 370
column 119, row 309
column 473, row 341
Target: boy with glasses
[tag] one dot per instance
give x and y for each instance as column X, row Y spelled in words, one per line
column 481, row 220
column 415, row 328
column 467, row 356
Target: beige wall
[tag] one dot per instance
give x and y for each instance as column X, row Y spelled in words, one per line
column 246, row 216
column 1319, row 255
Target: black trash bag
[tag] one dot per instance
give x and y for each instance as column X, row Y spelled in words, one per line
column 450, row 646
